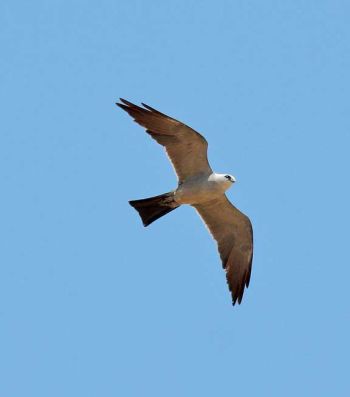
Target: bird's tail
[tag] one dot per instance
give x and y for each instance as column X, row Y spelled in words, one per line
column 152, row 208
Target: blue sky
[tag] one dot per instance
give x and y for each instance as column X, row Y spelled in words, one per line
column 92, row 303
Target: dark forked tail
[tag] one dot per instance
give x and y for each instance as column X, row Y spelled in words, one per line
column 152, row 208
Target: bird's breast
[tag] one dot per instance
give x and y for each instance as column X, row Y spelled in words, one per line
column 198, row 191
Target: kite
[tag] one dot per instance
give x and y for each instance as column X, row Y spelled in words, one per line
column 201, row 188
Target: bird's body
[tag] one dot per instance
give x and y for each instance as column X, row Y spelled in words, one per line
column 201, row 188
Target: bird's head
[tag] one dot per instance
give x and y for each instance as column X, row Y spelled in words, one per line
column 230, row 178
column 226, row 180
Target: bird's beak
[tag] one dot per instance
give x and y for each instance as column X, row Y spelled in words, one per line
column 233, row 179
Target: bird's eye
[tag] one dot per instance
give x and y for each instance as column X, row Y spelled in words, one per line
column 228, row 177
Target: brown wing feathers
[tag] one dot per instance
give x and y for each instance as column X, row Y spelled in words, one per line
column 234, row 235
column 186, row 148
column 151, row 119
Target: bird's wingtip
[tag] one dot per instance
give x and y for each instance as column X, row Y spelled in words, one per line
column 130, row 104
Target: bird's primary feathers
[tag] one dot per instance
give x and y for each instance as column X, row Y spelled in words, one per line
column 201, row 188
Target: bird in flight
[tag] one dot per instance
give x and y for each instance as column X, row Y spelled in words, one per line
column 201, row 188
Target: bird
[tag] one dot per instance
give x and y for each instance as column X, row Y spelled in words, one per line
column 200, row 187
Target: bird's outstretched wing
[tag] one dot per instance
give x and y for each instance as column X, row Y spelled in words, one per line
column 186, row 148
column 233, row 232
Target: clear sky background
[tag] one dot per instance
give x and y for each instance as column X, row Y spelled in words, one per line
column 92, row 303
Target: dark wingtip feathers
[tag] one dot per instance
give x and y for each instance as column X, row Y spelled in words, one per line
column 237, row 291
column 124, row 107
column 126, row 102
column 131, row 107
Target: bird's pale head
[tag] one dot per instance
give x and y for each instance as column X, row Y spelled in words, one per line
column 226, row 180
column 230, row 178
